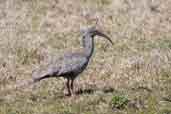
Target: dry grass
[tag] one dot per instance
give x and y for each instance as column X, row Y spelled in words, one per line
column 35, row 32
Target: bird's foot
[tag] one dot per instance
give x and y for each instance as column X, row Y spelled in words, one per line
column 68, row 94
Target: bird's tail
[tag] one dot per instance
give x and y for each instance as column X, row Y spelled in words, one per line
column 38, row 78
column 39, row 75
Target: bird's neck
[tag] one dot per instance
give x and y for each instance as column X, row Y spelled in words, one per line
column 88, row 46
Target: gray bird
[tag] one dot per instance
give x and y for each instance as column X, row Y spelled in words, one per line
column 72, row 64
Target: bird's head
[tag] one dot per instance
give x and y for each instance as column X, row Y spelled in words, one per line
column 92, row 32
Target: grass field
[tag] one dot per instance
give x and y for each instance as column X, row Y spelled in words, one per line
column 133, row 76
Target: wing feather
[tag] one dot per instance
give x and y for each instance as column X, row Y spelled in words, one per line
column 64, row 65
column 72, row 64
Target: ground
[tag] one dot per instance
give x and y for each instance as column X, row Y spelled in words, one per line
column 133, row 76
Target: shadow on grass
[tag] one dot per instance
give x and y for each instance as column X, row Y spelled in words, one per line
column 109, row 90
column 88, row 91
column 93, row 90
column 85, row 91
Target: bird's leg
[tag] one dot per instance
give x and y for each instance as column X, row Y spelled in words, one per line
column 68, row 87
column 72, row 85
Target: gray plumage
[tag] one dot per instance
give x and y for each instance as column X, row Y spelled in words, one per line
column 72, row 64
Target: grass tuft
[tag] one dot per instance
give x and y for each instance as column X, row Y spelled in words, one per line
column 119, row 102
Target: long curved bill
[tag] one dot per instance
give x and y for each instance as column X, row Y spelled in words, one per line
column 103, row 35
